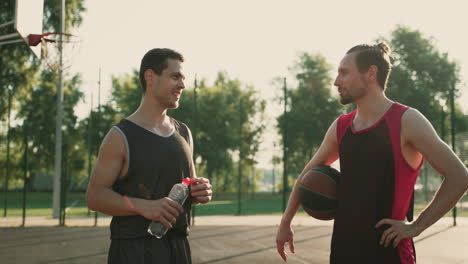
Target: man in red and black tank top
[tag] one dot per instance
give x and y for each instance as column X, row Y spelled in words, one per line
column 381, row 146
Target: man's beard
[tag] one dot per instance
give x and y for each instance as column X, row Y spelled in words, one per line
column 346, row 99
column 172, row 105
column 168, row 103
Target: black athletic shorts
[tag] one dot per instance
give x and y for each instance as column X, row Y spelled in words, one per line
column 173, row 248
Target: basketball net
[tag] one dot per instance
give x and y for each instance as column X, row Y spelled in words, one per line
column 51, row 50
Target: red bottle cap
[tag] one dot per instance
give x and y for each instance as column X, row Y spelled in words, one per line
column 187, row 181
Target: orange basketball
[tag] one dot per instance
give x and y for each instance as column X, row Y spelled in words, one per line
column 317, row 192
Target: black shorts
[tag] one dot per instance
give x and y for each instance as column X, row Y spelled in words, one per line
column 171, row 249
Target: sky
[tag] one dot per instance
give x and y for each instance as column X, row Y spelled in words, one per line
column 252, row 40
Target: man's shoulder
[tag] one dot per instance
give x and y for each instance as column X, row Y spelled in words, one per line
column 122, row 123
column 414, row 122
column 412, row 114
column 181, row 127
column 179, row 124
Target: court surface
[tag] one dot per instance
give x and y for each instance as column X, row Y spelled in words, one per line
column 214, row 239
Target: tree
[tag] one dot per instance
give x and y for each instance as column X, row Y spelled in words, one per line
column 18, row 68
column 38, row 114
column 73, row 15
column 229, row 122
column 125, row 99
column 34, row 92
column 422, row 76
column 220, row 110
column 101, row 122
column 126, row 93
column 311, row 111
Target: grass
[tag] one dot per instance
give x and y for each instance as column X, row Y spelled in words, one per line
column 40, row 204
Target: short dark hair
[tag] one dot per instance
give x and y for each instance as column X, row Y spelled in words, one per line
column 156, row 60
column 378, row 55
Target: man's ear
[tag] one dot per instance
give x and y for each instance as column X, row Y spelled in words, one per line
column 149, row 76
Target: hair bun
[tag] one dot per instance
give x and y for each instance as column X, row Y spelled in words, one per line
column 383, row 46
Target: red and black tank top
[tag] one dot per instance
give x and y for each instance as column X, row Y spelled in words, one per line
column 376, row 183
column 155, row 163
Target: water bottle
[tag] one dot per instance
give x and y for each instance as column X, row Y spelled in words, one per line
column 178, row 193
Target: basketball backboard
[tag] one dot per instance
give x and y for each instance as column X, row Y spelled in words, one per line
column 28, row 20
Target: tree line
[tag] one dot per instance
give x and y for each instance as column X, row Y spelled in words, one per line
column 227, row 117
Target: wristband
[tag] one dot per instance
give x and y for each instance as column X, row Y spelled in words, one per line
column 127, row 201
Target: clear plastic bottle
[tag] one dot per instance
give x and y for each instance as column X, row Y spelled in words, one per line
column 178, row 193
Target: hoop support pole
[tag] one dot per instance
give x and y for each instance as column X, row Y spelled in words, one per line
column 7, row 23
column 8, row 36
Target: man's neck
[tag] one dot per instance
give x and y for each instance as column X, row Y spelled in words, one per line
column 372, row 107
column 152, row 116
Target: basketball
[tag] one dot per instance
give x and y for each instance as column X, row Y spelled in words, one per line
column 317, row 192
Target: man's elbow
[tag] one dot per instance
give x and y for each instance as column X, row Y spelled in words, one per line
column 465, row 181
column 462, row 181
column 90, row 200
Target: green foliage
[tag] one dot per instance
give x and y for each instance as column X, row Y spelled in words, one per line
column 311, row 110
column 73, row 10
column 227, row 123
column 422, row 76
column 96, row 125
column 34, row 96
column 39, row 203
column 39, row 115
column 17, row 67
column 125, row 99
column 126, row 93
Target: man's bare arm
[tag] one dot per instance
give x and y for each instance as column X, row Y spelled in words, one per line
column 201, row 190
column 419, row 134
column 423, row 137
column 325, row 155
column 99, row 195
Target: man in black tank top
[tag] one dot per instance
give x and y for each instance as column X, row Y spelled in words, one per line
column 139, row 161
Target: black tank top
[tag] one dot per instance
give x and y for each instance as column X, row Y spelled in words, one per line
column 155, row 164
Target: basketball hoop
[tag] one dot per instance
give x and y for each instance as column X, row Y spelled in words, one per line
column 51, row 49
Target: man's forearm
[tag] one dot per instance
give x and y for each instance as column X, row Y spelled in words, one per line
column 107, row 201
column 291, row 209
column 446, row 197
column 293, row 203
